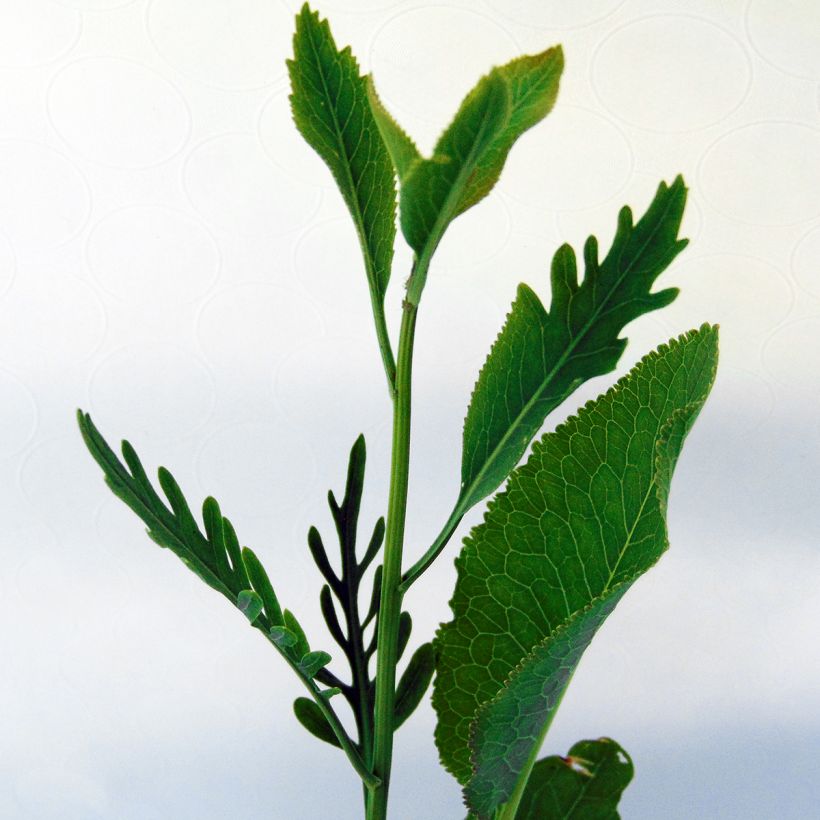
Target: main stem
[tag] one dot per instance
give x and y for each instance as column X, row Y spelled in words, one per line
column 390, row 602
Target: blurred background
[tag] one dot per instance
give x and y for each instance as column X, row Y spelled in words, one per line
column 174, row 259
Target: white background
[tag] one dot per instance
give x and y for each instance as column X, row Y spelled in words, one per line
column 176, row 260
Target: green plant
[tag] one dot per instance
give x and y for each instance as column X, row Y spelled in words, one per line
column 578, row 521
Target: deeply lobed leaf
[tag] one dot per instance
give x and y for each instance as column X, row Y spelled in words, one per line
column 541, row 357
column 575, row 526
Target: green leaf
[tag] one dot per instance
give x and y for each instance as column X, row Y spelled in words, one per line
column 401, row 148
column 541, row 357
column 311, row 717
column 313, row 662
column 469, row 156
column 214, row 556
column 283, row 637
column 250, row 603
column 587, row 784
column 413, row 683
column 261, row 583
column 332, row 112
column 576, row 525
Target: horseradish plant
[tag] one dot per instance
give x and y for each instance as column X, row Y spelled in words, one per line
column 577, row 522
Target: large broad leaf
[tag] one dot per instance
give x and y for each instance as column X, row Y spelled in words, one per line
column 587, row 784
column 541, row 357
column 470, row 154
column 576, row 525
column 331, row 110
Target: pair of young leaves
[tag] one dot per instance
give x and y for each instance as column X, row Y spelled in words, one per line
column 576, row 525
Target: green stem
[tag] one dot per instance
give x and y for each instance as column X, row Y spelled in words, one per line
column 370, row 780
column 390, row 602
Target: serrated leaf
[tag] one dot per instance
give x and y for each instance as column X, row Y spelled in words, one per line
column 587, row 784
column 576, row 525
column 413, row 683
column 331, row 110
column 250, row 604
column 469, row 156
column 541, row 357
column 399, row 145
column 312, row 662
column 311, row 717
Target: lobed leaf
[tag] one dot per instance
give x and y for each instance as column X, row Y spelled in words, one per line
column 587, row 784
column 214, row 556
column 576, row 525
column 541, row 357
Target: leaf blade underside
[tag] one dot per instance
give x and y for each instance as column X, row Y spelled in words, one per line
column 575, row 526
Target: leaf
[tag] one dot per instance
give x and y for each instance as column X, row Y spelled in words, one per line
column 405, row 628
column 541, row 357
column 402, row 149
column 313, row 662
column 587, row 784
column 311, row 717
column 331, row 110
column 413, row 683
column 250, row 603
column 214, row 556
column 576, row 525
column 261, row 583
column 469, row 156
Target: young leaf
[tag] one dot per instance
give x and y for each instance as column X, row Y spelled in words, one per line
column 541, row 357
column 576, row 525
column 401, row 148
column 332, row 112
column 587, row 784
column 470, row 154
column 250, row 603
column 413, row 683
column 313, row 662
column 311, row 717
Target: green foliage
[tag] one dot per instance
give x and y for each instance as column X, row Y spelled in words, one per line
column 331, row 110
column 585, row 785
column 558, row 548
column 414, row 683
column 470, row 154
column 541, row 357
column 576, row 525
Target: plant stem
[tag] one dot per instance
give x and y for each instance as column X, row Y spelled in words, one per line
column 390, row 602
column 370, row 780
